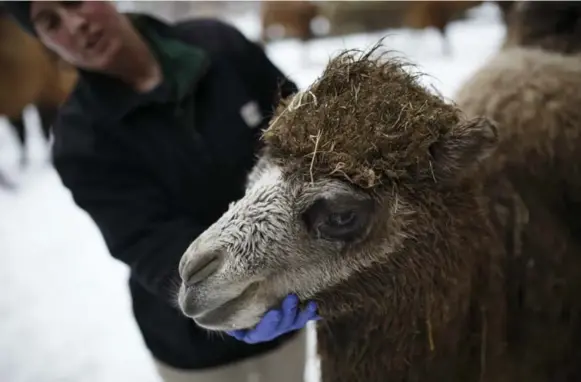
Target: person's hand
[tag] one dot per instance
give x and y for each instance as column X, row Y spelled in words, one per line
column 278, row 322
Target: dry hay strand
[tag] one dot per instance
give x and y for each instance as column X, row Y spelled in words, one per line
column 366, row 119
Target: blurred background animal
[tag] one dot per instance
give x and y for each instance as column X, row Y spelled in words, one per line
column 293, row 19
column 549, row 25
column 436, row 14
column 297, row 19
column 30, row 75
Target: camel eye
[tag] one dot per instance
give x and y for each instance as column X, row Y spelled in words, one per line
column 340, row 219
column 339, row 225
column 343, row 219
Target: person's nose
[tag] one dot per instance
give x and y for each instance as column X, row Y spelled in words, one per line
column 75, row 23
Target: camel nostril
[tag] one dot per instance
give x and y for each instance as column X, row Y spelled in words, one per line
column 200, row 267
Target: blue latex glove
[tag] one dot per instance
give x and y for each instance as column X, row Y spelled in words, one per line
column 278, row 322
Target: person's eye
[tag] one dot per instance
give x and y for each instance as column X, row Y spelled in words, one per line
column 49, row 21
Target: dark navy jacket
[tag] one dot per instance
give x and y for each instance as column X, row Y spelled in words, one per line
column 155, row 170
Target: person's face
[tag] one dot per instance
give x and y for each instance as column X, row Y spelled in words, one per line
column 88, row 34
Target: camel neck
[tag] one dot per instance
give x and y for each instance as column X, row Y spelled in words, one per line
column 408, row 321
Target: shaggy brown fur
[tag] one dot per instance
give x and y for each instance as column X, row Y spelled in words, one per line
column 419, row 314
column 366, row 120
column 484, row 284
column 532, row 89
column 534, row 83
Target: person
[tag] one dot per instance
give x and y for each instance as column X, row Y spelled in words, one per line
column 154, row 142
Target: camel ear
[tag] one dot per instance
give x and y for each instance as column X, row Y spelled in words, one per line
column 460, row 150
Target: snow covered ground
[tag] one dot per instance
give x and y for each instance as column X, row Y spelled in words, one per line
column 64, row 306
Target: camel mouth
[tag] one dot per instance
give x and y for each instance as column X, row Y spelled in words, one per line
column 223, row 315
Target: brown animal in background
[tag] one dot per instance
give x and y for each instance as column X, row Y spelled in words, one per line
column 30, row 75
column 294, row 16
column 532, row 89
column 348, row 17
column 538, row 70
column 437, row 14
column 550, row 25
column 437, row 246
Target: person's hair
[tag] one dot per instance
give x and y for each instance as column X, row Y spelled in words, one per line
column 20, row 11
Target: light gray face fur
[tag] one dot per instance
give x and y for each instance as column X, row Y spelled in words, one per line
column 274, row 241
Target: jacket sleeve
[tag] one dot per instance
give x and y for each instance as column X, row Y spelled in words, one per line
column 133, row 216
column 261, row 75
column 267, row 83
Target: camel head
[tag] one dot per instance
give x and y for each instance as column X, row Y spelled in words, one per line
column 348, row 169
